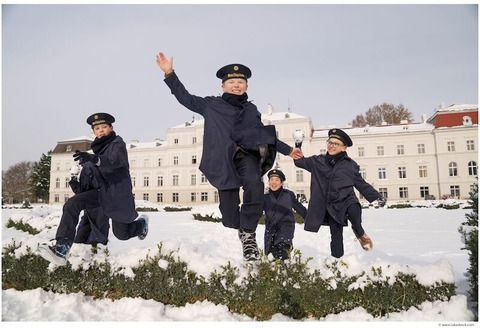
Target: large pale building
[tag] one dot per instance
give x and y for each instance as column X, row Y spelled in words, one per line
column 436, row 157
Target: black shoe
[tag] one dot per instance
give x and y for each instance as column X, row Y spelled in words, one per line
column 249, row 244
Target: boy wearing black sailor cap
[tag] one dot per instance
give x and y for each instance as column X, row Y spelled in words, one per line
column 108, row 170
column 237, row 148
column 333, row 200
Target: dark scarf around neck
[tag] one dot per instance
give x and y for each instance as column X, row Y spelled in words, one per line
column 235, row 100
column 277, row 192
column 100, row 143
column 334, row 159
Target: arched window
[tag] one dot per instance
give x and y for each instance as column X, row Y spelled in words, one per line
column 472, row 168
column 452, row 169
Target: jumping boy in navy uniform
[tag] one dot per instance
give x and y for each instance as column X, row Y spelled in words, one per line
column 237, row 148
column 333, row 200
column 108, row 170
column 279, row 219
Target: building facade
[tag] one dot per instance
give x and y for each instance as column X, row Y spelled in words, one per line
column 436, row 157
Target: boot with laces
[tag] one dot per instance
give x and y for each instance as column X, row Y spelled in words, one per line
column 249, row 244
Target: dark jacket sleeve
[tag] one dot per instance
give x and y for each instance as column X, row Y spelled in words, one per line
column 305, row 163
column 298, row 207
column 194, row 103
column 364, row 188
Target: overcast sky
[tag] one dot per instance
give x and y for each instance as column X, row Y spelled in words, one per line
column 62, row 63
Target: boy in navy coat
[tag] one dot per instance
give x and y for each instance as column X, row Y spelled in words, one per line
column 237, row 148
column 279, row 219
column 109, row 174
column 333, row 201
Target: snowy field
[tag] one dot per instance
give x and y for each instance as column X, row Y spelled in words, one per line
column 423, row 241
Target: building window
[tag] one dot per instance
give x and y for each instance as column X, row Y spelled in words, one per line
column 146, row 162
column 383, row 192
column 57, row 198
column 455, row 191
column 69, row 148
column 424, row 191
column 145, row 196
column 363, row 173
column 175, row 141
column 194, row 140
column 403, row 192
column 380, row 150
column 58, row 166
column 193, row 179
column 472, row 168
column 361, row 151
column 452, row 169
column 193, row 197
column 470, row 144
column 134, row 181
column 160, row 181
column 194, row 159
column 402, row 172
column 159, row 162
column 175, row 160
column 204, row 196
column 400, row 150
column 323, row 151
column 159, row 197
column 382, row 173
column 57, row 183
column 421, row 148
column 299, row 175
column 65, row 198
column 203, row 178
column 133, row 163
column 451, row 145
column 422, row 171
column 146, row 181
column 175, row 180
column 175, row 197
column 216, row 199
column 66, row 182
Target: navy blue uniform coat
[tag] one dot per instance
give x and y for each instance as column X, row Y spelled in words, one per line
column 226, row 128
column 332, row 189
column 279, row 219
column 114, row 182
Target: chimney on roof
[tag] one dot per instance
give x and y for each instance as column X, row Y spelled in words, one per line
column 424, row 118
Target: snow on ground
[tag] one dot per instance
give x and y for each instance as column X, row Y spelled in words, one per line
column 423, row 241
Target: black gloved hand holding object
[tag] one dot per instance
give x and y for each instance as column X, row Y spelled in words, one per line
column 84, row 157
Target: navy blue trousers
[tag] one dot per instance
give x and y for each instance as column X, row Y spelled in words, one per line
column 89, row 200
column 354, row 215
column 247, row 216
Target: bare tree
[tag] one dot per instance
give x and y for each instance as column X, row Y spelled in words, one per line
column 385, row 112
column 15, row 182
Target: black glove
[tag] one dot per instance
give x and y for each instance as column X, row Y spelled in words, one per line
column 84, row 157
column 382, row 201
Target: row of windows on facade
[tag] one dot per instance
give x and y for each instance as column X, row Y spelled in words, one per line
column 299, row 175
column 204, row 196
column 360, row 153
column 470, row 144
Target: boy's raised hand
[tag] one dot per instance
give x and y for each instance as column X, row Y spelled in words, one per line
column 165, row 65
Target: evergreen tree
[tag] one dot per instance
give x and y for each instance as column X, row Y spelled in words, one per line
column 469, row 231
column 40, row 178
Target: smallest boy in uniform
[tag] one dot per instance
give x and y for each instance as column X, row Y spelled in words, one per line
column 279, row 219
